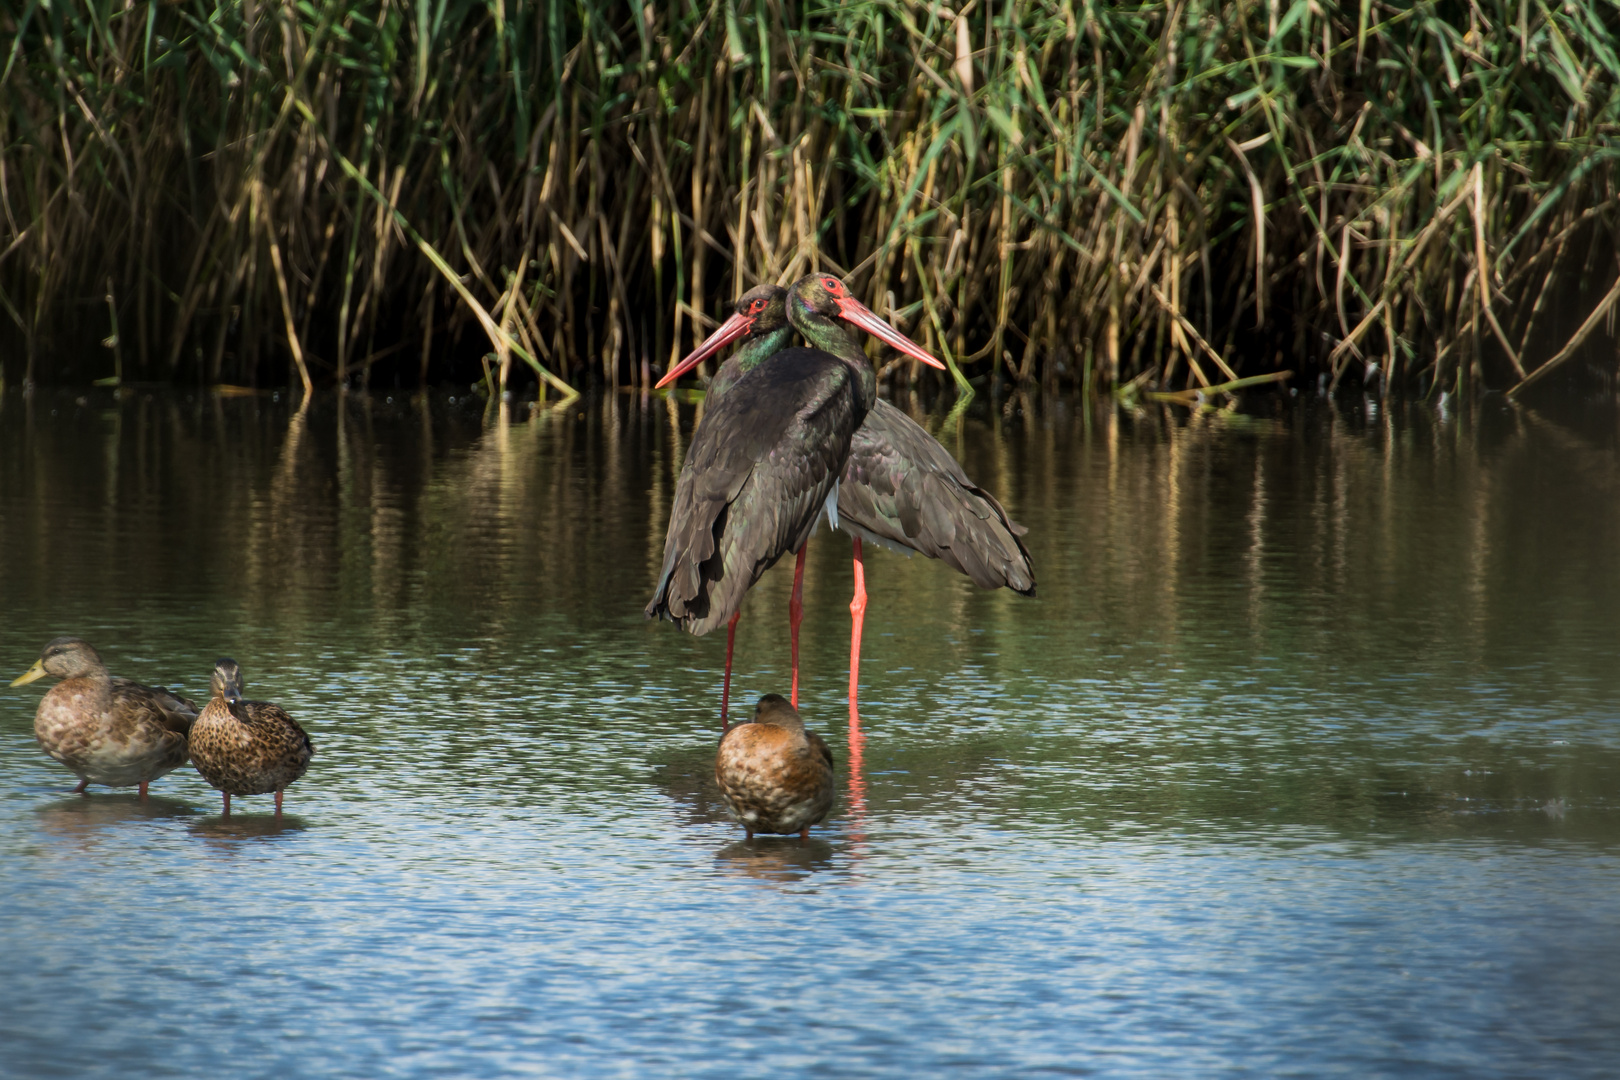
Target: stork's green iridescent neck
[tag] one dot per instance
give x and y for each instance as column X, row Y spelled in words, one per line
column 753, row 352
column 759, row 320
column 814, row 310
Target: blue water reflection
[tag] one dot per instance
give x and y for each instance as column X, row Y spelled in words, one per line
column 1303, row 763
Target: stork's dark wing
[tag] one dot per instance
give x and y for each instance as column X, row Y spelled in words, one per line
column 905, row 489
column 757, row 474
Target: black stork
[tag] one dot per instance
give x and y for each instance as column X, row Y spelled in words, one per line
column 900, row 487
column 765, row 462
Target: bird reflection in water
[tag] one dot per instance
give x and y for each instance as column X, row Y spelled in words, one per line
column 855, row 799
column 84, row 824
column 223, row 832
column 774, row 860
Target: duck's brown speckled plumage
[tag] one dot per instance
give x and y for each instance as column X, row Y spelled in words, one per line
column 775, row 776
column 114, row 732
column 247, row 747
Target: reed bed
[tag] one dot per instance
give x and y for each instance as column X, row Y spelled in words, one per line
column 1169, row 196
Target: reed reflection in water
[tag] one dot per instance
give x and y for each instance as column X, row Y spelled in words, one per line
column 1305, row 755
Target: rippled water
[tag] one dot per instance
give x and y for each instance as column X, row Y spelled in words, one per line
column 1304, row 762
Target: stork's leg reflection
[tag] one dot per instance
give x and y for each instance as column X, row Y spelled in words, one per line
column 857, row 778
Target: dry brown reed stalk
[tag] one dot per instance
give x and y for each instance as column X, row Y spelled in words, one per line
column 1041, row 190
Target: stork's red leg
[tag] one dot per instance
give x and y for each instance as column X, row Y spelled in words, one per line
column 857, row 616
column 725, row 687
column 796, row 616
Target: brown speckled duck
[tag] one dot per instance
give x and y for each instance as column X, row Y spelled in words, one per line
column 246, row 747
column 108, row 731
column 775, row 776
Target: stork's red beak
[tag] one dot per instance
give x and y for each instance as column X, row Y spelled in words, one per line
column 863, row 317
column 733, row 328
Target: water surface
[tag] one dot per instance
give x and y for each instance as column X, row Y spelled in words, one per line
column 1304, row 761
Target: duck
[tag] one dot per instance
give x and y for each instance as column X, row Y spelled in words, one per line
column 246, row 747
column 109, row 731
column 774, row 775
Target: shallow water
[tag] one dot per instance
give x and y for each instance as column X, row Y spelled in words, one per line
column 1304, row 762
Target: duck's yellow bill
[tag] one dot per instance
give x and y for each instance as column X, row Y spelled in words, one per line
column 35, row 672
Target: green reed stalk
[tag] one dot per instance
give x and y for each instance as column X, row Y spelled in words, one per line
column 1183, row 193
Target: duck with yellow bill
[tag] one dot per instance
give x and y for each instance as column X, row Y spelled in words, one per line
column 110, row 731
